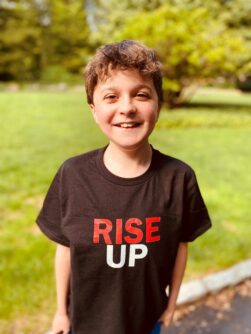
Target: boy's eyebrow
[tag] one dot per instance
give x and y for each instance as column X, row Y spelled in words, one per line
column 134, row 88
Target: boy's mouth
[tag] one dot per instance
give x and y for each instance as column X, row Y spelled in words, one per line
column 127, row 125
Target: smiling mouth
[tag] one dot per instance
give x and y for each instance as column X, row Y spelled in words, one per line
column 128, row 125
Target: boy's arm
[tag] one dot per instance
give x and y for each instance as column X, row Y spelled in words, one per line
column 177, row 276
column 61, row 321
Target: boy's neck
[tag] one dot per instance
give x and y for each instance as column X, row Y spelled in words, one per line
column 128, row 163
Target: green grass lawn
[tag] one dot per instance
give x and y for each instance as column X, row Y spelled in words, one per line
column 39, row 130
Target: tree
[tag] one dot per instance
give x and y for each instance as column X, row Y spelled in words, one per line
column 37, row 34
column 19, row 41
column 191, row 45
column 65, row 38
column 237, row 17
column 110, row 15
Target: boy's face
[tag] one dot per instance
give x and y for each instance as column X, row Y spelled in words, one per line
column 125, row 106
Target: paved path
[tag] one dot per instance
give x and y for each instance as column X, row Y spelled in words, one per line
column 208, row 320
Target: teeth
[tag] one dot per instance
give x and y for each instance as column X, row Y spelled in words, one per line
column 127, row 125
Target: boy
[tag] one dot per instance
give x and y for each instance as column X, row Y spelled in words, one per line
column 122, row 215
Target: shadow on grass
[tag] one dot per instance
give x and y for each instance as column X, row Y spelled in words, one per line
column 231, row 107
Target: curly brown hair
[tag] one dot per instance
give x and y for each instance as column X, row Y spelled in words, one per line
column 124, row 55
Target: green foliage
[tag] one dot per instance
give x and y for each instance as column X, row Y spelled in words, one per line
column 66, row 37
column 19, row 42
column 238, row 14
column 190, row 44
column 195, row 39
column 111, row 14
column 54, row 74
column 36, row 34
column 237, row 17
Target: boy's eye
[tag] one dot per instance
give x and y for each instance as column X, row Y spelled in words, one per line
column 110, row 97
column 142, row 95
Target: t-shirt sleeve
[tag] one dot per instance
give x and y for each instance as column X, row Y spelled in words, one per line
column 49, row 219
column 196, row 219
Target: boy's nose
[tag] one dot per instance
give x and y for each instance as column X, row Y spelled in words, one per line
column 127, row 107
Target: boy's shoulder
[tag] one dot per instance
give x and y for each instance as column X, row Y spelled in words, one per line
column 172, row 163
column 81, row 160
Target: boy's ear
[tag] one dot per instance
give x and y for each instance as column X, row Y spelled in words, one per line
column 93, row 112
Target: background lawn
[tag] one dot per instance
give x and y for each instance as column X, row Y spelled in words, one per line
column 41, row 129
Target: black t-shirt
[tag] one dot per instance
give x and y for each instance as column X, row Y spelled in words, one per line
column 123, row 235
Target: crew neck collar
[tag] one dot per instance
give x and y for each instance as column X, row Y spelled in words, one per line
column 124, row 180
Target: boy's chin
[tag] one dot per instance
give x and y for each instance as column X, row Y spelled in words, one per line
column 129, row 145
